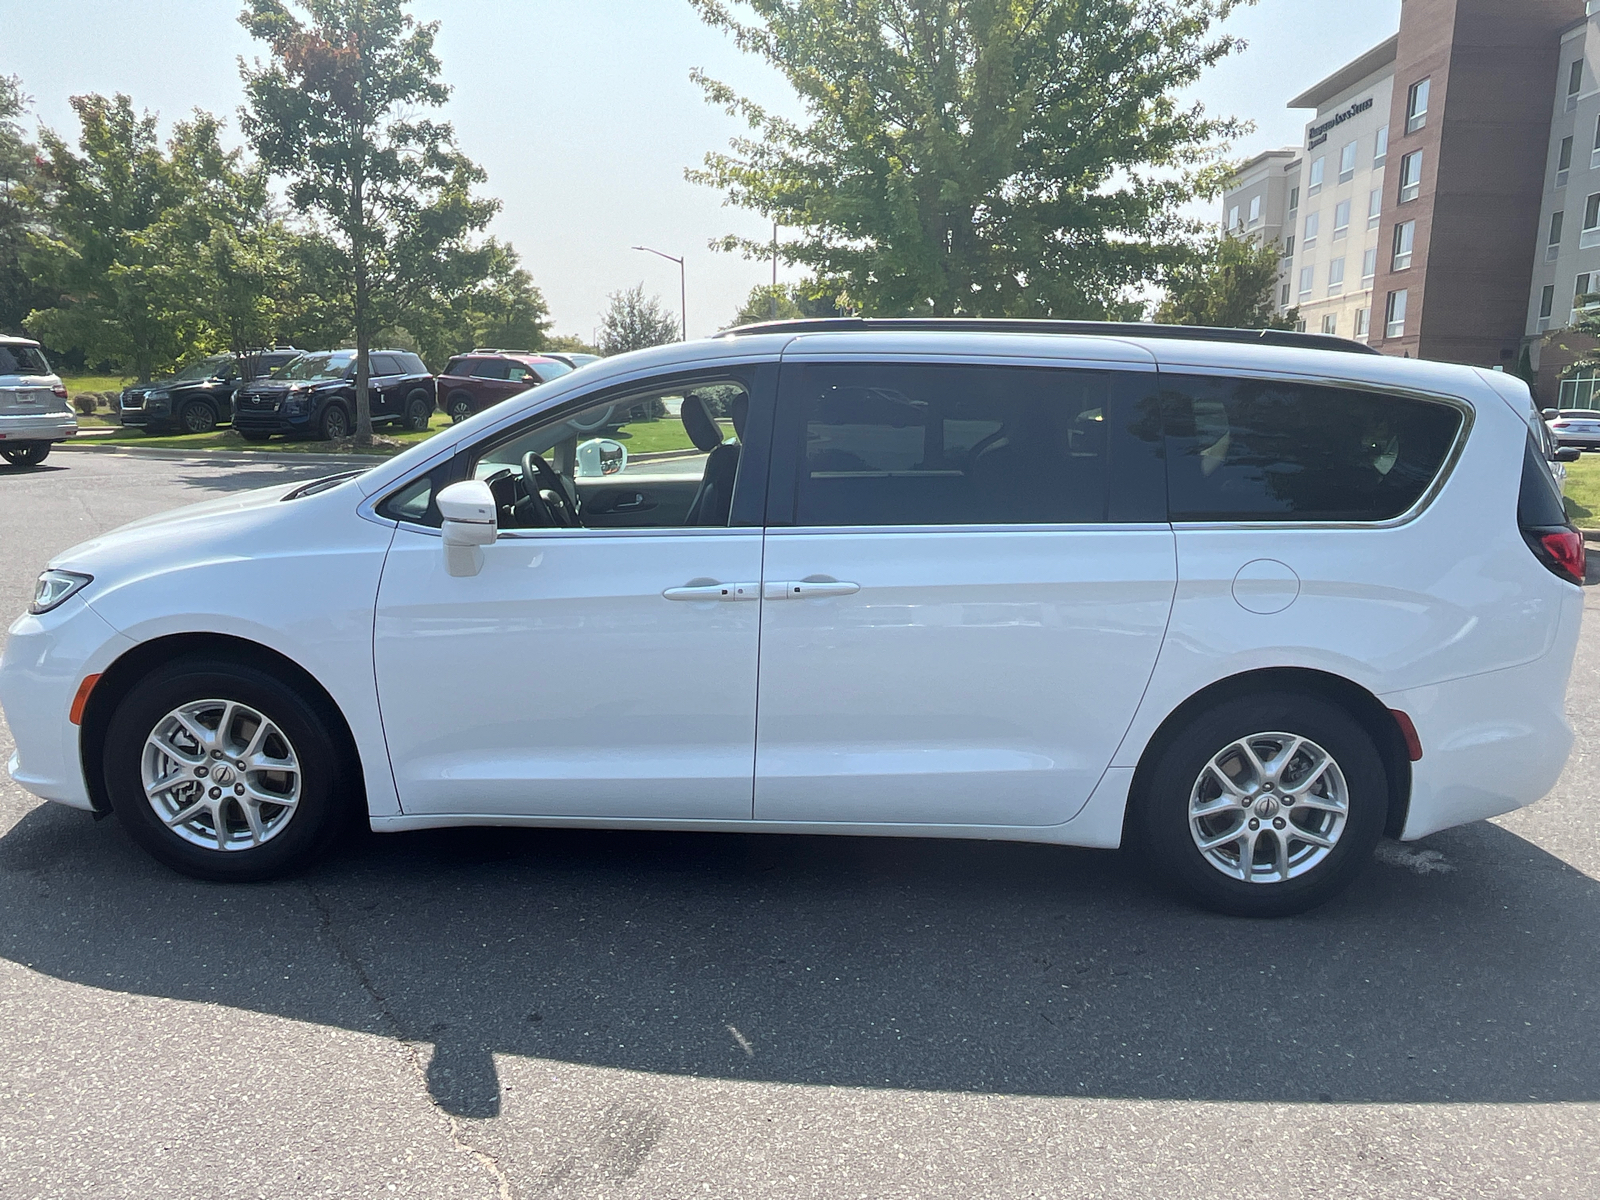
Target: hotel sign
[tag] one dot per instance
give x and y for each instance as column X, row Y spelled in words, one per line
column 1319, row 133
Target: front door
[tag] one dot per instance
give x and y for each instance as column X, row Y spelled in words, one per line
column 967, row 603
column 588, row 671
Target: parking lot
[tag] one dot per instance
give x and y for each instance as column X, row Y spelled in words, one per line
column 523, row 1013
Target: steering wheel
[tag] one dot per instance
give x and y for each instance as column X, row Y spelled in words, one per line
column 547, row 495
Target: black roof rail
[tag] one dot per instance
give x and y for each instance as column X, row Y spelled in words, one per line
column 1143, row 329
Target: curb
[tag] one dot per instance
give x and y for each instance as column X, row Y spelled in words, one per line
column 232, row 457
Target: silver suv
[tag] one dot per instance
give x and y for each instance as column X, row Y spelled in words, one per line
column 33, row 404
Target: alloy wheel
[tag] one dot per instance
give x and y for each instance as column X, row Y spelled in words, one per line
column 1268, row 808
column 221, row 775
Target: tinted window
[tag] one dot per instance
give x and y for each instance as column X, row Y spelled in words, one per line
column 1261, row 450
column 490, row 368
column 948, row 445
column 386, row 364
column 22, row 360
column 410, row 364
column 456, row 366
column 546, row 371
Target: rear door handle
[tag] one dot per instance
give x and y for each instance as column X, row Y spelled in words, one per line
column 808, row 589
column 702, row 592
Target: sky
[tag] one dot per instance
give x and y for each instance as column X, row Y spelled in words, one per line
column 583, row 114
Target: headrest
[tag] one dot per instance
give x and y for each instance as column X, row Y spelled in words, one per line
column 702, row 430
column 739, row 410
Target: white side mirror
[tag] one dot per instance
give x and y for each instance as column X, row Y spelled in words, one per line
column 469, row 525
column 599, row 457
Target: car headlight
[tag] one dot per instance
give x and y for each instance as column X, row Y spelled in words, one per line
column 158, row 396
column 296, row 404
column 54, row 587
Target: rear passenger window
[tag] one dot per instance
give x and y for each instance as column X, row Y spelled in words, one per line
column 1263, row 450
column 890, row 444
column 490, row 368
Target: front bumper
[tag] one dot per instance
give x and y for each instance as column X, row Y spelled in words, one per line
column 248, row 421
column 37, row 427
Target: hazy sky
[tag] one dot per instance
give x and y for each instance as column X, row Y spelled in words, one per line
column 583, row 114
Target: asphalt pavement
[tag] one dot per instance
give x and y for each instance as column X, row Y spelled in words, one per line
column 528, row 1014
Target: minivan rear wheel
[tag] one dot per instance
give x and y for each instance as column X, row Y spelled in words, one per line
column 1265, row 806
column 222, row 772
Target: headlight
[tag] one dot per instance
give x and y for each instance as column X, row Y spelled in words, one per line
column 159, row 396
column 296, row 404
column 54, row 587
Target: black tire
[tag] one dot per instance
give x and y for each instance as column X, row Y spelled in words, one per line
column 326, row 795
column 198, row 417
column 28, row 454
column 255, row 436
column 419, row 411
column 460, row 408
column 1161, row 826
column 334, row 424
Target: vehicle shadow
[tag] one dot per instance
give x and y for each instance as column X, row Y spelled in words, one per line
column 959, row 966
column 245, row 479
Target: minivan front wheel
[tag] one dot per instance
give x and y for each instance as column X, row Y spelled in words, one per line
column 1266, row 805
column 222, row 772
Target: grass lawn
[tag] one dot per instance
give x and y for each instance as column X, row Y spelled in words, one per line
column 656, row 437
column 1583, row 491
column 94, row 383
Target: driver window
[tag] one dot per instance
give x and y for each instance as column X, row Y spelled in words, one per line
column 658, row 459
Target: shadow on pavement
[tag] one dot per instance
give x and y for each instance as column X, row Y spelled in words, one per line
column 245, row 479
column 853, row 962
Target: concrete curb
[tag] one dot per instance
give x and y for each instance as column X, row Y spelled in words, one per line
column 231, row 457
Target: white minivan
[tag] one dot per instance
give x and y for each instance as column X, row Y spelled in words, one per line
column 1240, row 602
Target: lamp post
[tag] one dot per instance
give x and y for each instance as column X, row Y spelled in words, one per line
column 683, row 286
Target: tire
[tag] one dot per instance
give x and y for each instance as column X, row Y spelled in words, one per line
column 283, row 837
column 460, row 408
column 334, row 423
column 254, row 436
column 1168, row 833
column 419, row 411
column 198, row 417
column 28, row 454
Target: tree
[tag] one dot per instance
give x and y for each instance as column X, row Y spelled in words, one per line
column 633, row 323
column 485, row 299
column 18, row 181
column 977, row 157
column 787, row 302
column 567, row 343
column 338, row 112
column 1228, row 282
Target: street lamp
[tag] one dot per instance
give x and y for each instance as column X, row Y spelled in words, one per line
column 683, row 286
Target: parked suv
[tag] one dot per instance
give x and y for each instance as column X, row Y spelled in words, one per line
column 473, row 382
column 1239, row 602
column 199, row 397
column 33, row 404
column 315, row 396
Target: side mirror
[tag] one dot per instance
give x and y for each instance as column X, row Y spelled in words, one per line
column 1549, row 414
column 469, row 525
column 599, row 457
column 1567, row 454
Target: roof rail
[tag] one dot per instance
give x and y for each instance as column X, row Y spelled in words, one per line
column 1142, row 329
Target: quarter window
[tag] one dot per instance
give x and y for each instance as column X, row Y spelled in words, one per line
column 949, row 445
column 1261, row 450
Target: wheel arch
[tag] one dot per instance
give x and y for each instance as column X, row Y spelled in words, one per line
column 1361, row 704
column 120, row 677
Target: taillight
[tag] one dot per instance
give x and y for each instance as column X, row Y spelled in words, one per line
column 60, row 391
column 1559, row 549
column 1542, row 517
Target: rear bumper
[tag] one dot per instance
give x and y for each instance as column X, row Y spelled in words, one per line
column 1491, row 743
column 37, row 427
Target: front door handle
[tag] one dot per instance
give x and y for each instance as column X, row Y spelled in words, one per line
column 808, row 589
column 702, row 592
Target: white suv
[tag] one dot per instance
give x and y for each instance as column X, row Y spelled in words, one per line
column 33, row 404
column 1242, row 601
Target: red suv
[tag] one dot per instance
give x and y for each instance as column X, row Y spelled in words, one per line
column 473, row 382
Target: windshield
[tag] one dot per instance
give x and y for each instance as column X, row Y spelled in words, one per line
column 317, row 366
column 206, row 368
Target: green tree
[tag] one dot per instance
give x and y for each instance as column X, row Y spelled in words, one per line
column 567, row 343
column 633, row 322
column 484, row 298
column 338, row 111
column 18, row 182
column 977, row 157
column 1228, row 282
column 788, row 302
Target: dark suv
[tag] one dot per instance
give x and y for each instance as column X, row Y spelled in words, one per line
column 199, row 397
column 473, row 382
column 315, row 396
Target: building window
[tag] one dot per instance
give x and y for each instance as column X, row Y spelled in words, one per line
column 1417, row 106
column 1374, row 208
column 1381, row 154
column 1411, row 176
column 1564, row 163
column 1552, row 249
column 1547, row 305
column 1255, row 211
column 1574, row 84
column 1308, row 279
column 1313, row 221
column 1330, row 323
column 1394, row 324
column 1582, row 296
column 1336, row 277
column 1300, row 326
column 1363, row 321
column 1347, row 163
column 1591, row 223
column 1594, row 155
column 1283, row 296
column 1233, row 218
column 1316, row 177
column 1578, row 390
column 1288, row 246
column 1369, row 267
column 1405, row 240
column 1294, row 193
column 1341, row 219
